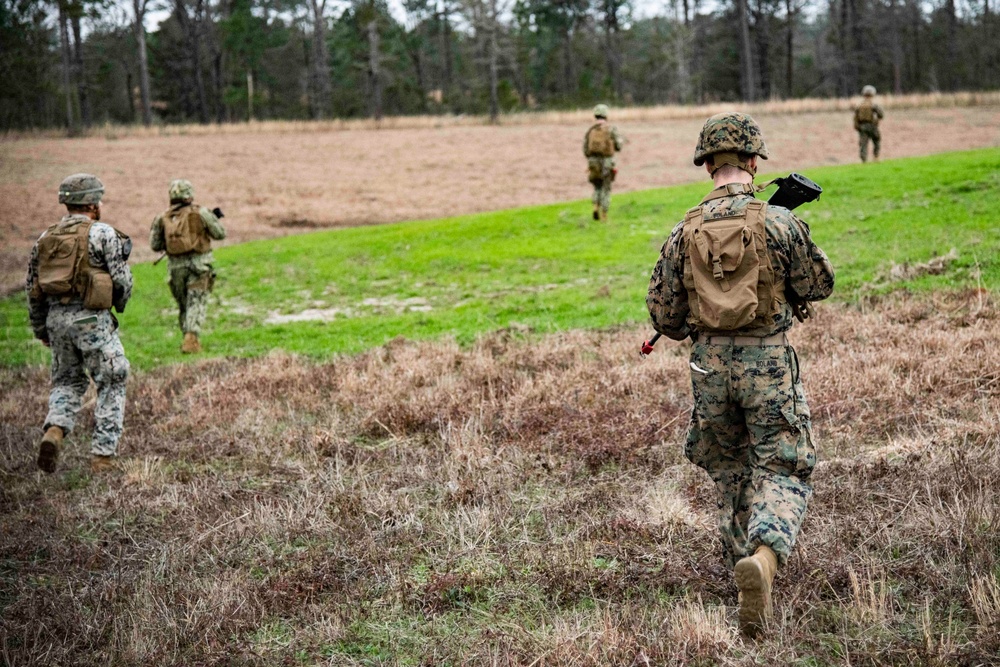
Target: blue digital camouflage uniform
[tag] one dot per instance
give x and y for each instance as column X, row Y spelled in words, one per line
column 750, row 427
column 191, row 275
column 86, row 342
column 605, row 166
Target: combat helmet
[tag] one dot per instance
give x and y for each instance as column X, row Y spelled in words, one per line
column 727, row 135
column 868, row 91
column 601, row 111
column 81, row 190
column 181, row 190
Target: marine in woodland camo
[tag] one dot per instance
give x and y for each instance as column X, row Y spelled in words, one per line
column 86, row 342
column 869, row 131
column 806, row 270
column 191, row 276
column 750, row 427
column 605, row 166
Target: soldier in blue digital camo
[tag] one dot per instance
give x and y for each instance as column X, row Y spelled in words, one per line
column 600, row 144
column 731, row 276
column 78, row 270
column 185, row 232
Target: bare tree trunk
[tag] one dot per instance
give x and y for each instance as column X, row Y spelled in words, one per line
column 790, row 51
column 952, row 64
column 321, row 61
column 446, row 48
column 374, row 71
column 494, row 21
column 83, row 99
column 746, row 55
column 762, row 30
column 190, row 26
column 139, row 8
column 897, row 51
column 67, row 84
column 611, row 45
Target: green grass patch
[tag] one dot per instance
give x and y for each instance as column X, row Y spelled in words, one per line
column 544, row 268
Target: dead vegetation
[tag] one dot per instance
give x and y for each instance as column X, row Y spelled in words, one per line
column 522, row 501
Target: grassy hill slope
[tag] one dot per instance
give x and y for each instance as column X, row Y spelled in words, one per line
column 547, row 268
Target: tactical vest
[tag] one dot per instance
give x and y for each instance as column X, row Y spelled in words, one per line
column 727, row 271
column 64, row 269
column 866, row 113
column 184, row 231
column 600, row 143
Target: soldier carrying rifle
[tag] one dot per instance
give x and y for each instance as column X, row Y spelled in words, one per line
column 730, row 277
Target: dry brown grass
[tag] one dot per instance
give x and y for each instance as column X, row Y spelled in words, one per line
column 570, row 117
column 271, row 183
column 521, row 501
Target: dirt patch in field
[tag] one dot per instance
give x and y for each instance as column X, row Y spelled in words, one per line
column 273, row 184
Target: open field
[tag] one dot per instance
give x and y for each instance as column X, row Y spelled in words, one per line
column 274, row 182
column 516, row 502
column 546, row 268
column 469, row 464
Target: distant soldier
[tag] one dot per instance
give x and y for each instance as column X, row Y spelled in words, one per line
column 600, row 144
column 866, row 119
column 185, row 232
column 78, row 270
column 731, row 276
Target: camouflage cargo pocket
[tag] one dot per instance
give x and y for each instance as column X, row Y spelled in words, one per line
column 203, row 283
column 595, row 172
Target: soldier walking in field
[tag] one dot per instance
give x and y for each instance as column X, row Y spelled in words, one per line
column 77, row 271
column 731, row 276
column 866, row 119
column 185, row 232
column 600, row 144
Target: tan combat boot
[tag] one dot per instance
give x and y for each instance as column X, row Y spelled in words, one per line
column 754, row 577
column 48, row 449
column 99, row 463
column 604, row 215
column 190, row 344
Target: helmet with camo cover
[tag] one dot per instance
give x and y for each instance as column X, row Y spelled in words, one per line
column 181, row 190
column 80, row 190
column 868, row 91
column 731, row 132
column 601, row 111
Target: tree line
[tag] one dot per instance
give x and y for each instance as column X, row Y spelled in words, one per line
column 75, row 63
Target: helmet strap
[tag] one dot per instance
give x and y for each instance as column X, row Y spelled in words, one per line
column 719, row 160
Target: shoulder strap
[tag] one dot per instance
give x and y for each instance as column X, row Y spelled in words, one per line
column 729, row 190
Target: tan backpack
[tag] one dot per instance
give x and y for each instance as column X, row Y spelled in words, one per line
column 600, row 143
column 184, row 231
column 727, row 272
column 64, row 268
column 865, row 113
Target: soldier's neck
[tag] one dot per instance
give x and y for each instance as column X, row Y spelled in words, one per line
column 728, row 175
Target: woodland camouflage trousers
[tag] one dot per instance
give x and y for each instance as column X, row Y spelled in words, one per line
column 751, row 432
column 605, row 167
column 868, row 131
column 86, row 342
column 191, row 290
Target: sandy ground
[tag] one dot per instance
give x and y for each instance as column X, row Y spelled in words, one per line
column 281, row 183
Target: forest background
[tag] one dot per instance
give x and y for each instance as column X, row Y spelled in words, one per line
column 76, row 63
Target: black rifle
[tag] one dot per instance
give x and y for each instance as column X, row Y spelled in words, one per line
column 217, row 212
column 793, row 191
